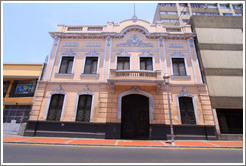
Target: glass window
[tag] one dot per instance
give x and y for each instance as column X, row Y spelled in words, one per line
column 169, row 13
column 91, row 65
column 187, row 110
column 5, row 87
column 84, row 108
column 95, row 28
column 197, row 5
column 238, row 6
column 227, row 14
column 225, row 6
column 185, row 20
column 211, row 6
column 185, row 13
column 20, row 113
column 183, row 4
column 66, row 65
column 146, row 63
column 178, row 67
column 24, row 88
column 168, row 4
column 55, row 108
column 238, row 14
column 75, row 29
column 123, row 63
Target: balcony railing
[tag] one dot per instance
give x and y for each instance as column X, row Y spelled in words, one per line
column 135, row 74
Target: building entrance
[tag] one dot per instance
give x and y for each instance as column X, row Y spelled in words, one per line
column 135, row 117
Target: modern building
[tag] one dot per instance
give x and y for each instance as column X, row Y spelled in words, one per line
column 175, row 14
column 219, row 44
column 19, row 85
column 106, row 81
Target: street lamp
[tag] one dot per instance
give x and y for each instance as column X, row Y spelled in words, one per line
column 166, row 81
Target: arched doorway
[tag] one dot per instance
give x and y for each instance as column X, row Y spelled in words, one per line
column 135, row 117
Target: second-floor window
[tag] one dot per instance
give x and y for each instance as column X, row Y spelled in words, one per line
column 91, row 65
column 66, row 65
column 123, row 63
column 146, row 63
column 23, row 88
column 178, row 67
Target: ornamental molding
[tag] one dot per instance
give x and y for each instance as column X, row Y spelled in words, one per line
column 134, row 50
column 70, row 44
column 184, row 93
column 177, row 51
column 93, row 44
column 175, row 45
column 85, row 50
column 134, row 41
column 86, row 91
column 145, row 54
column 69, row 52
column 59, row 90
column 123, row 53
column 92, row 53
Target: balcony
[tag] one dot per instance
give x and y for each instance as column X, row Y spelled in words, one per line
column 135, row 77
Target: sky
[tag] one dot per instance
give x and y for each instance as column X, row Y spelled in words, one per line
column 26, row 26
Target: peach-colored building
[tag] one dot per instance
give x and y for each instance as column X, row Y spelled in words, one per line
column 107, row 82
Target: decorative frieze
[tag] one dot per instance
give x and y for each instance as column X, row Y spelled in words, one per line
column 175, row 45
column 70, row 44
column 69, row 52
column 134, row 41
column 92, row 53
column 93, row 44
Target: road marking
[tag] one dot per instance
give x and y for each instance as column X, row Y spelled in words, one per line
column 112, row 146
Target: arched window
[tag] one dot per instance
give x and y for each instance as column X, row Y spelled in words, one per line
column 187, row 110
column 84, row 108
column 55, row 107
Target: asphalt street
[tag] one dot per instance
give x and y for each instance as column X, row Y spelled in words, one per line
column 21, row 153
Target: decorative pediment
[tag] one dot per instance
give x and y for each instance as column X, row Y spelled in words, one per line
column 123, row 53
column 69, row 53
column 92, row 53
column 86, row 90
column 145, row 54
column 134, row 41
column 184, row 93
column 59, row 90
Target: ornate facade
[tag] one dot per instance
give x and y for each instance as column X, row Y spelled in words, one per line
column 106, row 82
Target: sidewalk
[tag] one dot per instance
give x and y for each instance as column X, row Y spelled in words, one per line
column 120, row 143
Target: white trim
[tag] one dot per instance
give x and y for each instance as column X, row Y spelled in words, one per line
column 147, row 55
column 136, row 90
column 192, row 64
column 86, row 91
column 104, row 60
column 184, row 93
column 198, row 66
column 121, row 55
column 54, row 58
column 165, row 55
column 179, row 56
column 159, row 48
column 98, row 63
column 109, row 60
column 58, row 90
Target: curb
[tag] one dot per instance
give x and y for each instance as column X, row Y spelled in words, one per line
column 129, row 146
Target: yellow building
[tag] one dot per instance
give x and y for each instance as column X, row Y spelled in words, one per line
column 107, row 82
column 19, row 84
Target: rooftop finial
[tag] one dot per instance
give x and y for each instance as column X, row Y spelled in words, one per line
column 134, row 18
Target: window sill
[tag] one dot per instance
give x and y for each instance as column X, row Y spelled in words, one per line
column 181, row 77
column 64, row 74
column 89, row 75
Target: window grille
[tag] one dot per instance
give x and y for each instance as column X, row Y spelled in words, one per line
column 84, row 108
column 55, row 108
column 187, row 110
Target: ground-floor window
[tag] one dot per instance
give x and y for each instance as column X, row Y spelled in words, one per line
column 187, row 110
column 55, row 107
column 20, row 113
column 230, row 121
column 84, row 108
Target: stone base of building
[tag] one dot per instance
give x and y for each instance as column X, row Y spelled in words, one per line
column 235, row 137
column 113, row 130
